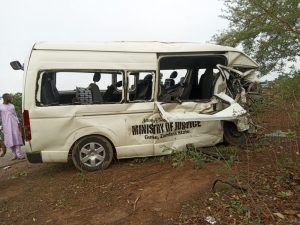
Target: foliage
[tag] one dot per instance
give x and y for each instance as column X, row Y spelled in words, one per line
column 226, row 150
column 287, row 88
column 19, row 174
column 17, row 101
column 199, row 157
column 268, row 31
column 237, row 206
column 191, row 153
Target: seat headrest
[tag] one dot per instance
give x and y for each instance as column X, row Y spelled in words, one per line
column 48, row 76
column 97, row 77
column 148, row 77
column 119, row 84
column 173, row 74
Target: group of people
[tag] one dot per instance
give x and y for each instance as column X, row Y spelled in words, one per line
column 11, row 130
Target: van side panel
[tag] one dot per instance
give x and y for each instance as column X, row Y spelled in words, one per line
column 56, row 128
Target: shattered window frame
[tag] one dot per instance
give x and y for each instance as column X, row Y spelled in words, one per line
column 136, row 81
column 173, row 99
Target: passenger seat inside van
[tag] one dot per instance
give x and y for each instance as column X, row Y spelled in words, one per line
column 144, row 88
column 170, row 82
column 111, row 94
column 206, row 84
column 96, row 94
column 49, row 92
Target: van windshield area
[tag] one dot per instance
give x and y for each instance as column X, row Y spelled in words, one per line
column 70, row 87
column 188, row 78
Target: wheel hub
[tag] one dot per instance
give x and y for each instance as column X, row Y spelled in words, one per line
column 92, row 154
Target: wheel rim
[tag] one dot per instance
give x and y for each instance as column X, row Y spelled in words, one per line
column 92, row 154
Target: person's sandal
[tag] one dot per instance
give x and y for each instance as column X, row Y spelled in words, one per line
column 14, row 158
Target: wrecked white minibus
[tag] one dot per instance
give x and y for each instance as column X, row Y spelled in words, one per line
column 95, row 101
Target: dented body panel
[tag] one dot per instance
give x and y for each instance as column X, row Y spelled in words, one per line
column 135, row 128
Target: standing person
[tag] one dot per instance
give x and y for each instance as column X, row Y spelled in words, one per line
column 10, row 126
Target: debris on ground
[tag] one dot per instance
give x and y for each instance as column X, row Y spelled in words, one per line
column 279, row 133
column 279, row 215
column 210, row 220
column 231, row 184
column 6, row 167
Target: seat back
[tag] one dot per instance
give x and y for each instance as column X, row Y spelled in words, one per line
column 144, row 88
column 206, row 84
column 109, row 94
column 185, row 86
column 169, row 83
column 49, row 92
column 96, row 94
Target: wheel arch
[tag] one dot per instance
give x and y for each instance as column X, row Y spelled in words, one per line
column 87, row 132
column 232, row 136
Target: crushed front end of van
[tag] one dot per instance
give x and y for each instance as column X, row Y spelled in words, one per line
column 224, row 94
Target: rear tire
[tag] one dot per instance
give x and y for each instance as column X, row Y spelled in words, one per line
column 232, row 136
column 92, row 153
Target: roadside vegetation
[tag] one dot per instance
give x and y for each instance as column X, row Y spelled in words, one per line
column 259, row 183
column 268, row 31
column 263, row 185
column 17, row 101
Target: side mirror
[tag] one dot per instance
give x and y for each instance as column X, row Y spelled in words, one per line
column 16, row 65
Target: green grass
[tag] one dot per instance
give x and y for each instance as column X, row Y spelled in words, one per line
column 194, row 155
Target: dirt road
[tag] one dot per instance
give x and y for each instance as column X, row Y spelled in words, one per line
column 127, row 193
column 7, row 159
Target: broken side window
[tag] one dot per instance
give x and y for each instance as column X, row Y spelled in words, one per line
column 140, row 85
column 171, row 81
column 79, row 87
column 198, row 82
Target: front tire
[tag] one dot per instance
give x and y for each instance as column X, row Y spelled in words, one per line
column 232, row 136
column 92, row 153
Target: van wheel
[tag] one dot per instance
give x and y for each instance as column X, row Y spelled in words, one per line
column 92, row 153
column 232, row 136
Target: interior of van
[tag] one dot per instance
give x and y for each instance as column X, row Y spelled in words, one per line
column 181, row 78
column 83, row 87
column 188, row 77
column 94, row 87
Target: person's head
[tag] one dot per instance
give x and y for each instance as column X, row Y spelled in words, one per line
column 7, row 98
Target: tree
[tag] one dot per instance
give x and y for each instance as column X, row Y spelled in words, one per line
column 268, row 31
column 17, row 101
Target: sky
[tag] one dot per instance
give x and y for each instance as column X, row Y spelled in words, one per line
column 22, row 23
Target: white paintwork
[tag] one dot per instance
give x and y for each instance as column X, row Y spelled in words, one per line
column 56, row 128
column 230, row 113
column 234, row 56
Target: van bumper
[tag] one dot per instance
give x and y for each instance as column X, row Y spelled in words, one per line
column 34, row 157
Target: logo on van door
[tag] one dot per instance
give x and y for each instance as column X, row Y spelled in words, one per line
column 157, row 129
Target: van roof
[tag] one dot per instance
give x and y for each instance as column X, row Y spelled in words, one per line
column 122, row 46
